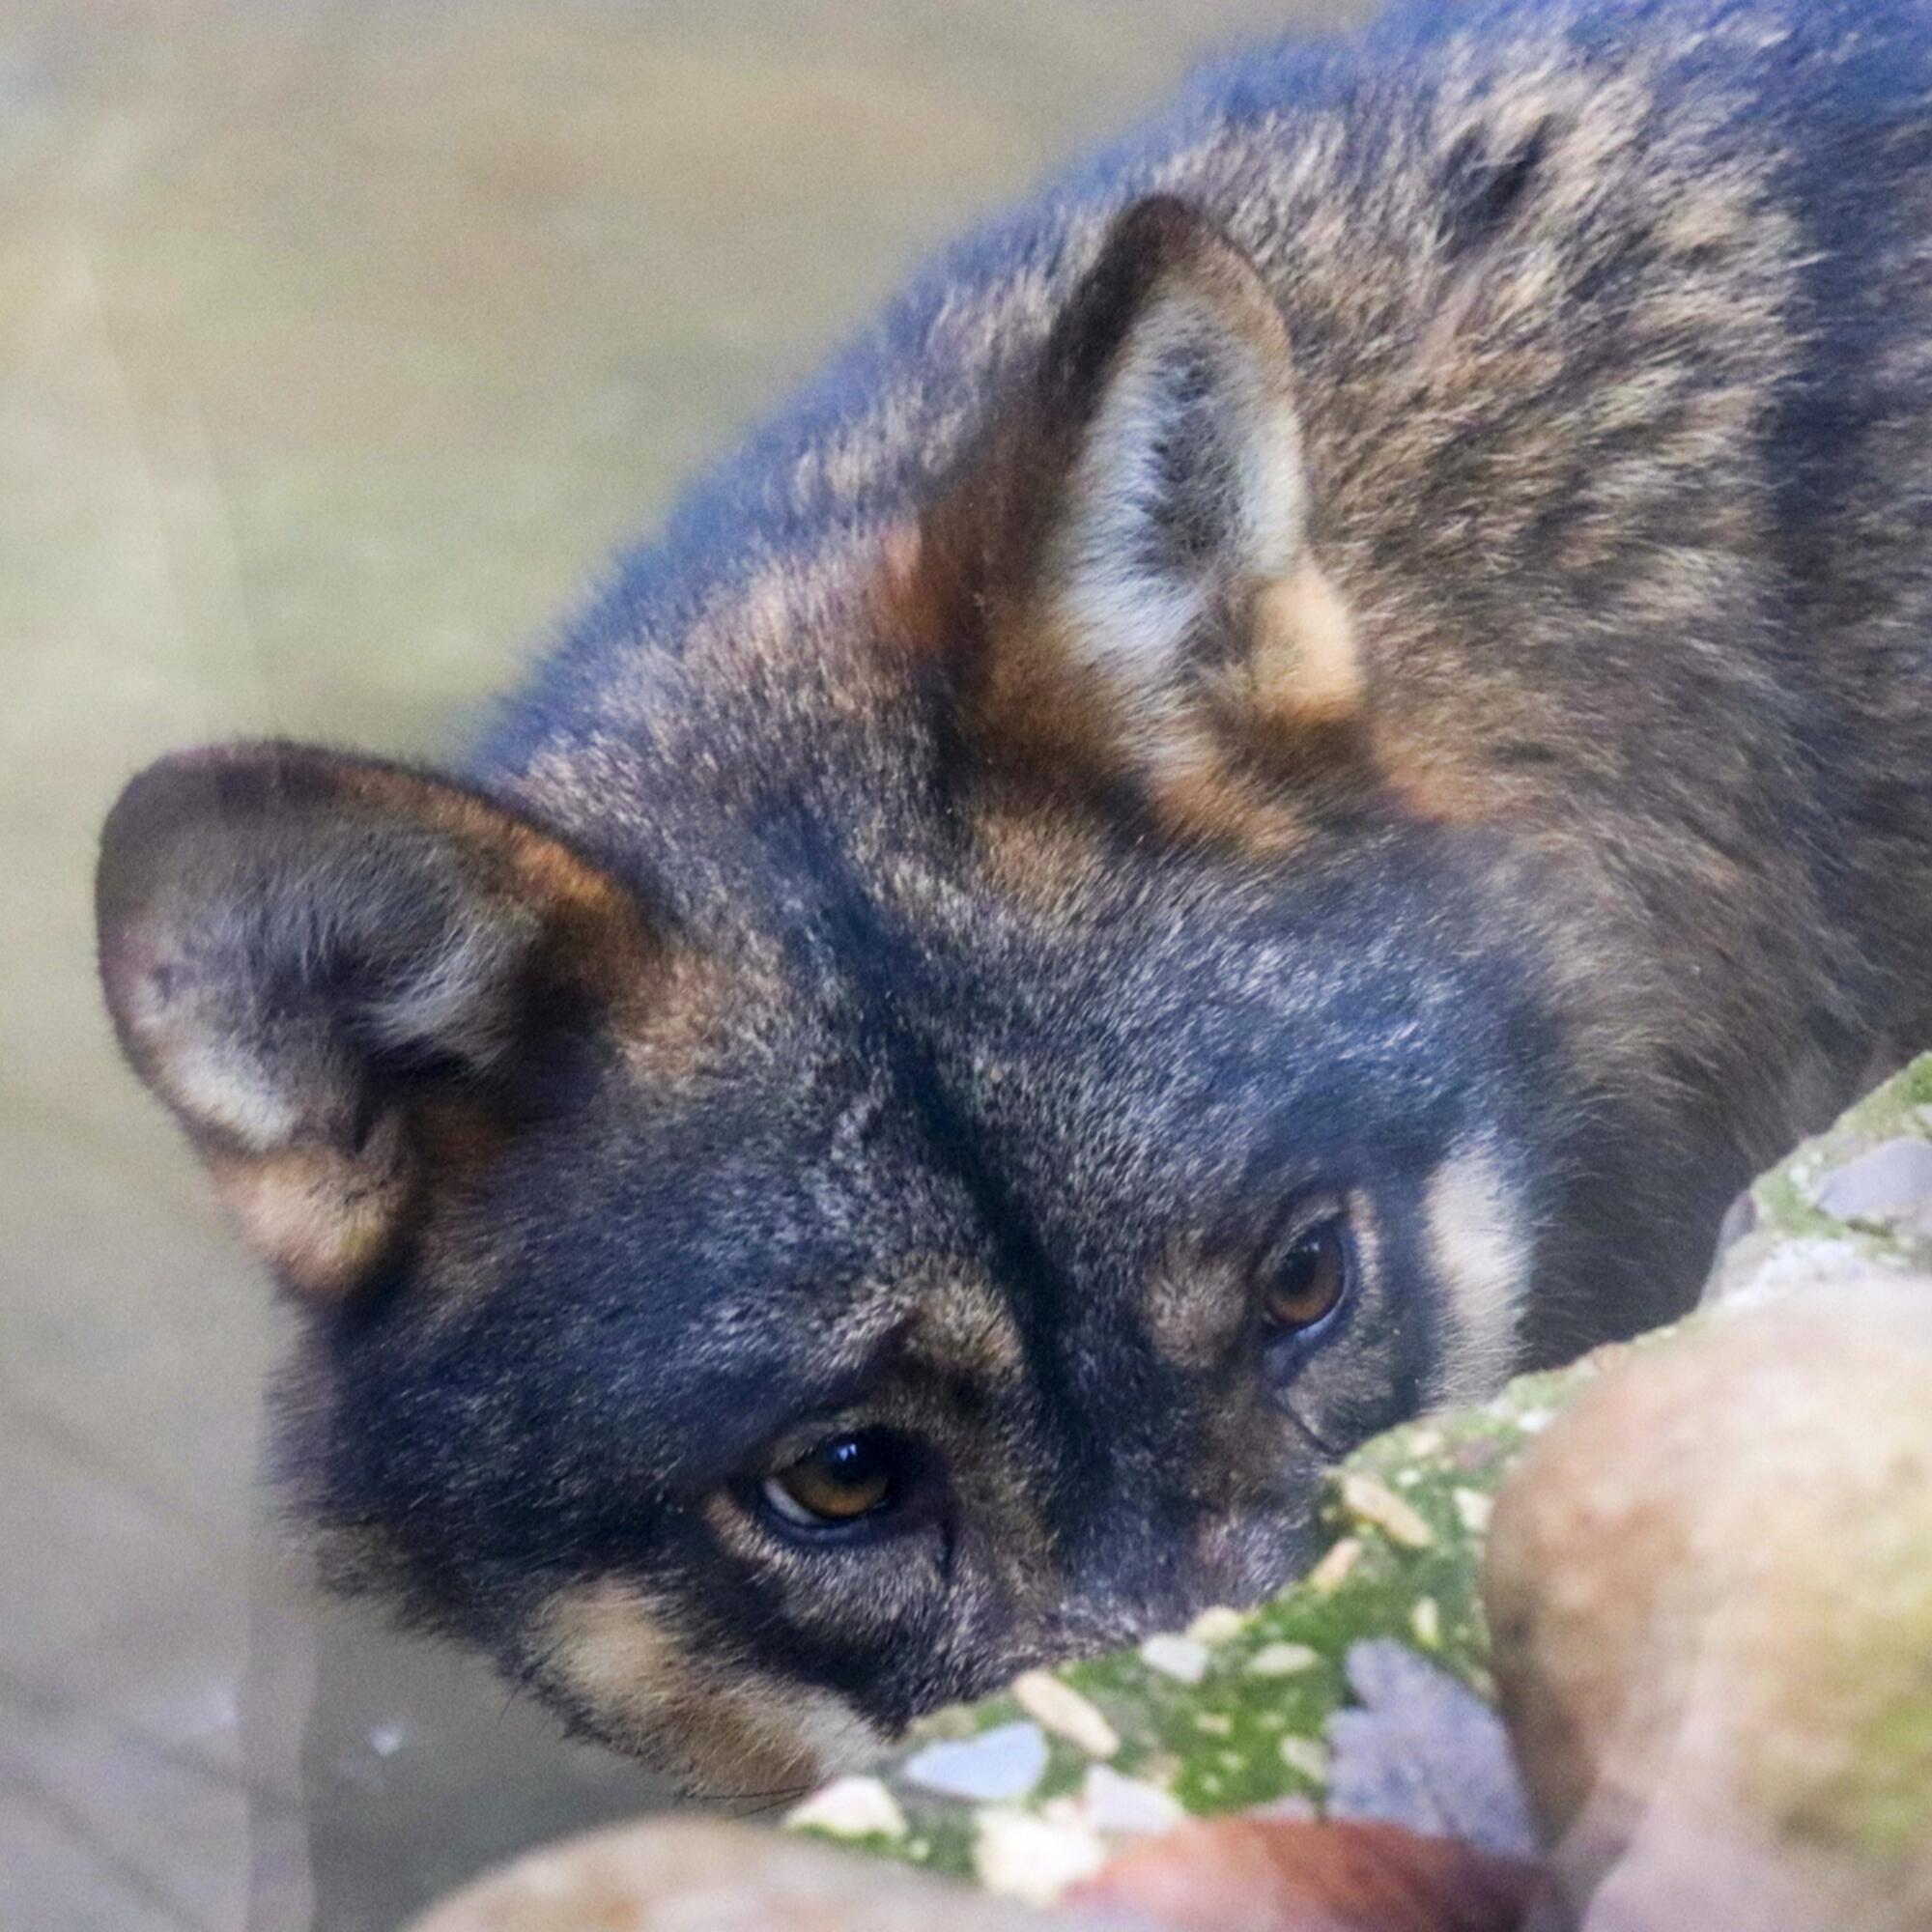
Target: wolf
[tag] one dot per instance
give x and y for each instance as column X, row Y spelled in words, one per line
column 1246, row 819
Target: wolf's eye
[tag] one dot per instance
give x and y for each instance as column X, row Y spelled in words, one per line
column 1309, row 1280
column 839, row 1480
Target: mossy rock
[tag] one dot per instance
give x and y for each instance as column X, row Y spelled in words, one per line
column 1231, row 1713
column 1814, row 1225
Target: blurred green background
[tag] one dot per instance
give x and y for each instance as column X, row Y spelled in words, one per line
column 339, row 341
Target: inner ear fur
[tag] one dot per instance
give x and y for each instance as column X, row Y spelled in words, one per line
column 1129, row 547
column 307, row 955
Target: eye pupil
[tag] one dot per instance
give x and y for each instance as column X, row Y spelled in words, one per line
column 1311, row 1278
column 836, row 1481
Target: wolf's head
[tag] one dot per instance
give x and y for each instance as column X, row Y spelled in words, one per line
column 906, row 1151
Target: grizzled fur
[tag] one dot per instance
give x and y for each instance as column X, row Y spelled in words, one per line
column 1363, row 662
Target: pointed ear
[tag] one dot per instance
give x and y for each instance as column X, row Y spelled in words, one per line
column 305, row 956
column 1134, row 536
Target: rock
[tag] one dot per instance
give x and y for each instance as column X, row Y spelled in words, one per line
column 1182, row 1658
column 997, row 1765
column 1122, row 1806
column 700, row 1875
column 1891, row 1184
column 1062, row 1710
column 1856, row 1201
column 1422, row 1750
column 1710, row 1598
column 1275, row 1875
column 1251, row 1710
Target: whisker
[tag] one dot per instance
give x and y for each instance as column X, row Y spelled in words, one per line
column 755, row 1804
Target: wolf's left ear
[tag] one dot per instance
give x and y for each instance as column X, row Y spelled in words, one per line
column 1134, row 534
column 332, row 970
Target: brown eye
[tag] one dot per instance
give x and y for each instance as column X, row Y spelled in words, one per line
column 841, row 1479
column 1309, row 1281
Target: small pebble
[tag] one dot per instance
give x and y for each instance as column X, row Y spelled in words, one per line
column 1033, row 1859
column 1475, row 1510
column 1004, row 1763
column 1217, row 1626
column 1066, row 1713
column 1884, row 1184
column 1422, row 1750
column 1216, row 1723
column 1333, row 1570
column 1374, row 1503
column 1119, row 1805
column 1308, row 1756
column 1177, row 1656
column 1283, row 1660
column 1426, row 1621
column 851, row 1808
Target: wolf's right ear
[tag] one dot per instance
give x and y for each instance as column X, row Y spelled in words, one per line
column 305, row 955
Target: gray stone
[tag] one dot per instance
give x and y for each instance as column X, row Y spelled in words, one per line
column 1425, row 1752
column 1883, row 1186
column 999, row 1764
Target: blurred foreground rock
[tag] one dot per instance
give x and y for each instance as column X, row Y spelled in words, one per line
column 702, row 1875
column 1710, row 1601
column 1272, row 1875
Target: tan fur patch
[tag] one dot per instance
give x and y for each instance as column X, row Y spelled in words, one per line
column 668, row 1020
column 1049, row 859
column 618, row 1656
column 1306, row 665
column 1481, row 1252
column 963, row 1327
column 1207, row 796
column 1193, row 1311
column 322, row 1217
